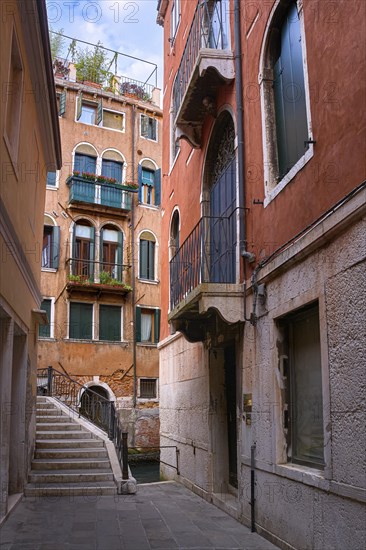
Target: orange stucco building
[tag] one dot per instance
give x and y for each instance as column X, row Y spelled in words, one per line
column 263, row 248
column 101, row 270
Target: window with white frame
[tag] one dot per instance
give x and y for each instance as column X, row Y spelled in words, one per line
column 113, row 120
column 148, row 388
column 149, row 180
column 147, row 325
column 50, row 245
column 46, row 331
column 284, row 90
column 51, row 179
column 174, row 19
column 301, row 370
column 149, row 127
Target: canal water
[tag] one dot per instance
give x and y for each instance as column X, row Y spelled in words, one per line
column 145, row 471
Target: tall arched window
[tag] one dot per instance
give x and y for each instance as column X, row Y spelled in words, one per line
column 174, row 235
column 51, row 244
column 219, row 231
column 83, row 250
column 287, row 136
column 111, row 252
column 112, row 165
column 85, row 159
column 147, row 256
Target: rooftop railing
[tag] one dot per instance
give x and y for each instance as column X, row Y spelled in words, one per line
column 209, row 29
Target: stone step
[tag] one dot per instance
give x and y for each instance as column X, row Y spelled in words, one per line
column 49, row 412
column 46, row 405
column 42, row 400
column 46, row 419
column 55, row 454
column 70, row 476
column 68, row 443
column 74, row 434
column 69, row 464
column 54, row 426
column 84, row 489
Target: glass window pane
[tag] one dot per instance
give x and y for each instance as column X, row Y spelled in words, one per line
column 51, row 179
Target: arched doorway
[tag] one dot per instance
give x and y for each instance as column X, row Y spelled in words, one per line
column 220, row 183
column 96, row 406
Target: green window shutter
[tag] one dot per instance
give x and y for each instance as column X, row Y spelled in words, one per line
column 110, row 323
column 74, row 251
column 139, row 174
column 157, row 326
column 55, row 247
column 151, row 260
column 138, row 324
column 81, row 321
column 44, row 331
column 120, row 256
column 92, row 253
column 100, row 112
column 79, row 106
column 157, row 185
column 144, row 251
column 62, row 109
column 101, row 250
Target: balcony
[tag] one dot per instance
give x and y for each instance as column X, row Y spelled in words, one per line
column 99, row 196
column 207, row 62
column 203, row 275
column 89, row 276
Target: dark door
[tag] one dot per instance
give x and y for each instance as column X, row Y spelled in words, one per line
column 82, row 258
column 230, row 386
column 223, row 226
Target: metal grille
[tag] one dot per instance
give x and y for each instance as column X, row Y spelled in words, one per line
column 148, row 388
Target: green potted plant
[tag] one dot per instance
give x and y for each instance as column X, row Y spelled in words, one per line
column 92, row 66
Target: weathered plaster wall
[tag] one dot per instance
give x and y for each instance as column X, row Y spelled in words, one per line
column 184, row 406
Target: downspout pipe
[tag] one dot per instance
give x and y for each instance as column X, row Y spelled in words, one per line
column 240, row 134
column 133, row 297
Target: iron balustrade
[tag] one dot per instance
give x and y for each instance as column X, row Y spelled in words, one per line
column 208, row 255
column 208, row 30
column 85, row 270
column 101, row 194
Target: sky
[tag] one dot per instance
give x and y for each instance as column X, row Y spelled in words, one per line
column 128, row 26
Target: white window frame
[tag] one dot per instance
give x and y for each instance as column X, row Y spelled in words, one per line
column 145, row 399
column 157, row 128
column 52, row 319
column 272, row 189
column 122, row 113
column 175, row 18
column 156, row 263
column 57, row 183
column 87, row 102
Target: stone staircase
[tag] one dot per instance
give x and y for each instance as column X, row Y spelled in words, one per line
column 69, row 459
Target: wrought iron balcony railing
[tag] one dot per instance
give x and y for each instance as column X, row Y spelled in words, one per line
column 88, row 273
column 100, row 194
column 209, row 30
column 208, row 255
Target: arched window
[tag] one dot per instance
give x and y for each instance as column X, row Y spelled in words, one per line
column 284, row 95
column 174, row 235
column 149, row 178
column 85, row 159
column 51, row 244
column 147, row 256
column 111, row 253
column 112, row 165
column 82, row 264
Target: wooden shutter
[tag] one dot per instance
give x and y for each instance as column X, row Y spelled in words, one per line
column 120, row 256
column 156, row 326
column 44, row 331
column 151, row 260
column 157, row 185
column 138, row 324
column 110, row 323
column 139, row 179
column 91, row 253
column 145, row 126
column 144, row 251
column 79, row 106
column 100, row 112
column 55, row 259
column 62, row 108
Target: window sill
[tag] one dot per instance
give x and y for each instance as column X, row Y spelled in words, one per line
column 46, row 339
column 52, row 187
column 148, row 399
column 146, row 344
column 303, row 474
column 149, row 139
column 150, row 206
column 49, row 269
column 148, row 281
column 289, row 176
column 102, row 342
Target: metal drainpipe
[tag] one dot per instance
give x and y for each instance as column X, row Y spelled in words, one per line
column 240, row 132
column 133, row 297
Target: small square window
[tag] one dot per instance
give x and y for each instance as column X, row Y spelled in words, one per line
column 147, row 325
column 112, row 120
column 148, row 388
column 148, row 128
column 51, row 179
